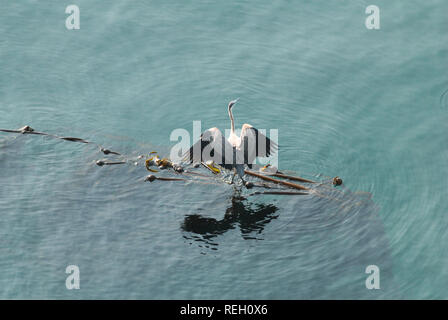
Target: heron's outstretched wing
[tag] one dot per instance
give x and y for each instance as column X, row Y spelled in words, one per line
column 212, row 145
column 255, row 144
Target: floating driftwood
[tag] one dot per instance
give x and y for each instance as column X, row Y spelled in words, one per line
column 151, row 178
column 165, row 163
column 285, row 183
column 29, row 130
column 108, row 163
column 281, row 175
column 286, row 193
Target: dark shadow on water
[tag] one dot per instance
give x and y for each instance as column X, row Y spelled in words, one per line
column 250, row 218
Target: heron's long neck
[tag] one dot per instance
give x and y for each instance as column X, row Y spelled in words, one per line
column 232, row 123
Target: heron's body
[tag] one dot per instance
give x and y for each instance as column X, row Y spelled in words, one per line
column 235, row 152
column 234, row 140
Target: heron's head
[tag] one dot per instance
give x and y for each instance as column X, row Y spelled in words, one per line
column 232, row 103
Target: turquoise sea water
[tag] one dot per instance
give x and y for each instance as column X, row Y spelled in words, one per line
column 366, row 105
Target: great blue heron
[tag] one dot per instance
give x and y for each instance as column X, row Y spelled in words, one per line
column 235, row 152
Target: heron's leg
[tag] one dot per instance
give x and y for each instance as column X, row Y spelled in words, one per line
column 233, row 177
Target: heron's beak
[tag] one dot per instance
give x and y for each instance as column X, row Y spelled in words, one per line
column 232, row 103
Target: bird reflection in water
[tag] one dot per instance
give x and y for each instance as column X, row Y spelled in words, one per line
column 251, row 218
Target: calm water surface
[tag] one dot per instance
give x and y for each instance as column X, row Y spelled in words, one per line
column 366, row 105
